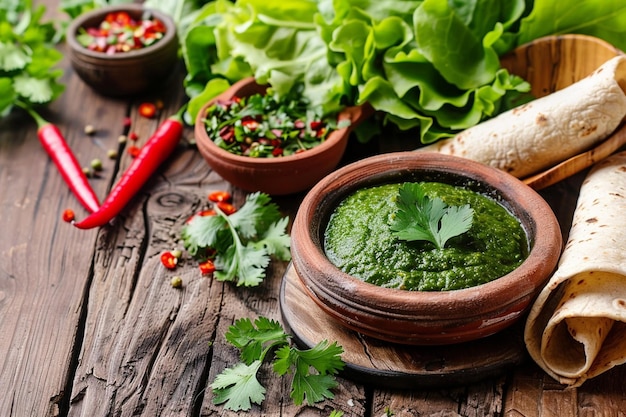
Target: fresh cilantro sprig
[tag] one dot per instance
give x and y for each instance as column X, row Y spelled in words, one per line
column 242, row 242
column 27, row 58
column 313, row 369
column 421, row 218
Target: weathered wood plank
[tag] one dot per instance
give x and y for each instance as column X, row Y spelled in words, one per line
column 44, row 262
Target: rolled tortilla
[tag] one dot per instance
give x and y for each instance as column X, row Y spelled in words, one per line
column 576, row 328
column 546, row 131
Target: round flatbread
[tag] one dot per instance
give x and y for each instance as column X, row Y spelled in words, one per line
column 576, row 328
column 546, row 131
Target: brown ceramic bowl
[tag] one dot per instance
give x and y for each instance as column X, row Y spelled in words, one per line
column 127, row 73
column 275, row 176
column 416, row 317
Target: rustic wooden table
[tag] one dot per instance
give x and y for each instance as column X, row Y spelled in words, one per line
column 90, row 325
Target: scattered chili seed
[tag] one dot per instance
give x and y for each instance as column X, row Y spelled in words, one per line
column 176, row 282
column 122, row 138
column 207, row 267
column 68, row 215
column 133, row 136
column 112, row 154
column 227, row 208
column 177, row 253
column 133, row 151
column 90, row 130
column 96, row 164
column 218, row 196
column 147, row 110
column 87, row 171
column 169, row 260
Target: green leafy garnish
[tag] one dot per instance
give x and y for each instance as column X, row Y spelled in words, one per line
column 422, row 218
column 27, row 58
column 243, row 242
column 313, row 369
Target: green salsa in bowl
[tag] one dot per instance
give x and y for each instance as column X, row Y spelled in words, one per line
column 410, row 291
column 360, row 240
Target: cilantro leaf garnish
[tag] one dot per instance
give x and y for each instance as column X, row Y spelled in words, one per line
column 243, row 242
column 27, row 58
column 421, row 218
column 313, row 369
column 238, row 387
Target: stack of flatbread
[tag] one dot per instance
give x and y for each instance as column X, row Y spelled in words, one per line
column 576, row 328
column 544, row 132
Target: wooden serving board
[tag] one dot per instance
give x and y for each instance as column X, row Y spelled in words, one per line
column 380, row 363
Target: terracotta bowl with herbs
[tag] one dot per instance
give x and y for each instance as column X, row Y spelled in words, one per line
column 123, row 50
column 423, row 248
column 278, row 146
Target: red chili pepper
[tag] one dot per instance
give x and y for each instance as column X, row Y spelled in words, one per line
column 61, row 154
column 169, row 260
column 156, row 150
column 147, row 110
column 207, row 267
column 217, row 196
column 227, row 208
column 68, row 215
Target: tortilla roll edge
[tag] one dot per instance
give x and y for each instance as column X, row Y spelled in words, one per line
column 576, row 328
column 546, row 131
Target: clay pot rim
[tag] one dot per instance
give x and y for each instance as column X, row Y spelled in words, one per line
column 539, row 222
column 96, row 15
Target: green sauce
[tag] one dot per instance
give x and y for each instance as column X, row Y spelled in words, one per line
column 359, row 241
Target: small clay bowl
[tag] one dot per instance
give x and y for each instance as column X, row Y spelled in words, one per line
column 125, row 73
column 282, row 175
column 423, row 317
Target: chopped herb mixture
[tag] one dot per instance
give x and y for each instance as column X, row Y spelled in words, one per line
column 263, row 125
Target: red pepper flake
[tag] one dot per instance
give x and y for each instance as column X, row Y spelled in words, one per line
column 169, row 260
column 133, row 151
column 218, row 196
column 127, row 122
column 147, row 110
column 133, row 136
column 68, row 215
column 207, row 267
column 227, row 208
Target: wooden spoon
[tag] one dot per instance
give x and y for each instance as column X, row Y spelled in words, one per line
column 579, row 162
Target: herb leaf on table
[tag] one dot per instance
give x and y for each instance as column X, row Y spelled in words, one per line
column 243, row 242
column 421, row 218
column 313, row 369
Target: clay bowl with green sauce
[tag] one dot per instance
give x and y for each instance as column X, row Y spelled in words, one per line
column 281, row 175
column 418, row 316
column 124, row 73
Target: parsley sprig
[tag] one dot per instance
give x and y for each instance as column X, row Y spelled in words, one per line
column 27, row 58
column 242, row 242
column 421, row 218
column 313, row 369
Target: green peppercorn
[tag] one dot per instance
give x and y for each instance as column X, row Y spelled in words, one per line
column 96, row 164
column 176, row 282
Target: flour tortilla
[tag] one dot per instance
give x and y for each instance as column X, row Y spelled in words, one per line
column 576, row 328
column 544, row 132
